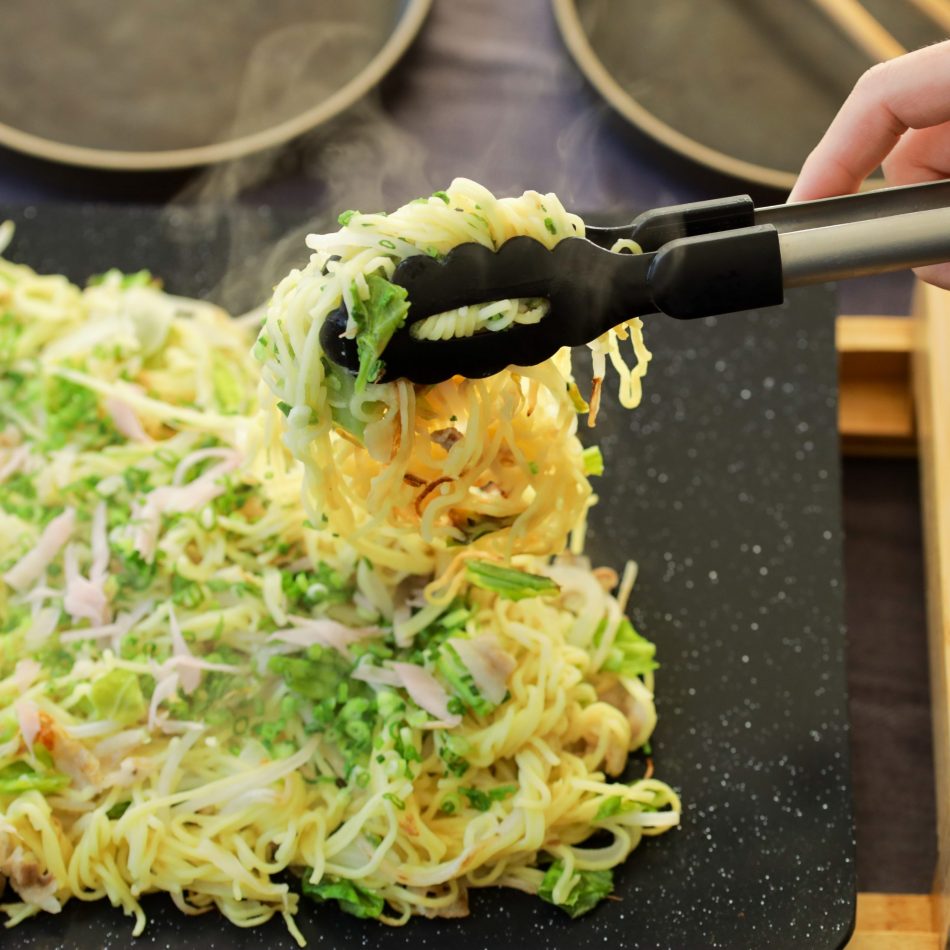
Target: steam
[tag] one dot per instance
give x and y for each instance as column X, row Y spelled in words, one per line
column 270, row 201
column 510, row 114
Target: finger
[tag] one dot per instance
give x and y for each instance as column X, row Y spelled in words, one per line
column 937, row 274
column 910, row 92
column 920, row 155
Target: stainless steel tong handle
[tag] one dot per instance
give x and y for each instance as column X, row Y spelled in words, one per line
column 863, row 206
column 872, row 246
column 828, row 239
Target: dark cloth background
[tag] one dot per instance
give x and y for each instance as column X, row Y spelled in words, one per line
column 887, row 676
column 489, row 92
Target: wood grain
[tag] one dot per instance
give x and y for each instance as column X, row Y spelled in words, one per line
column 937, row 10
column 875, row 405
column 932, row 390
column 862, row 28
column 894, row 922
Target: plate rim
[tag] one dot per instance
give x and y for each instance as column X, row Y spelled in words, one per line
column 575, row 39
column 397, row 44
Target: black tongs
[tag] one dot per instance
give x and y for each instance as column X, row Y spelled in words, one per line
column 700, row 259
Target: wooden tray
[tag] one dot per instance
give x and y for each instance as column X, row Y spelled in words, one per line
column 876, row 413
column 895, row 390
column 932, row 398
column 895, row 922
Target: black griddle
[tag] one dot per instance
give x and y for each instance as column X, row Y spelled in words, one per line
column 724, row 486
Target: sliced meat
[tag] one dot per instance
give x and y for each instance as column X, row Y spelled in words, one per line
column 606, row 577
column 427, row 693
column 24, row 873
column 321, row 631
column 446, row 437
column 488, row 663
column 54, row 537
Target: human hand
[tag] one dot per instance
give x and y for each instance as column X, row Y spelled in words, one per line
column 897, row 116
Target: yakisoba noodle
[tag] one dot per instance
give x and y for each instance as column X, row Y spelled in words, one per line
column 513, row 462
column 393, row 683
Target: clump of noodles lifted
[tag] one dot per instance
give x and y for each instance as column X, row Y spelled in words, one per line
column 405, row 473
column 205, row 685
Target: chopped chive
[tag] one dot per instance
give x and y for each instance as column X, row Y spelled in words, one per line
column 593, row 461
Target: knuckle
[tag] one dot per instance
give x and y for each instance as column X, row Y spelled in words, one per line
column 875, row 78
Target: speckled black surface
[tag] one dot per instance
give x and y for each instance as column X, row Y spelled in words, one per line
column 724, row 486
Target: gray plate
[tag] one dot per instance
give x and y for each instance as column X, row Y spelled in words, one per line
column 744, row 86
column 171, row 83
column 724, row 487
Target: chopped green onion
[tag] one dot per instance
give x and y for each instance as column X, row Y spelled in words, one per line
column 482, row 801
column 630, row 654
column 118, row 810
column 509, row 582
column 593, row 461
column 614, row 805
column 450, row 804
column 451, row 668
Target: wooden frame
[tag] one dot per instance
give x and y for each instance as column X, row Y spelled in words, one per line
column 932, row 397
column 895, row 389
column 895, row 922
column 876, row 403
